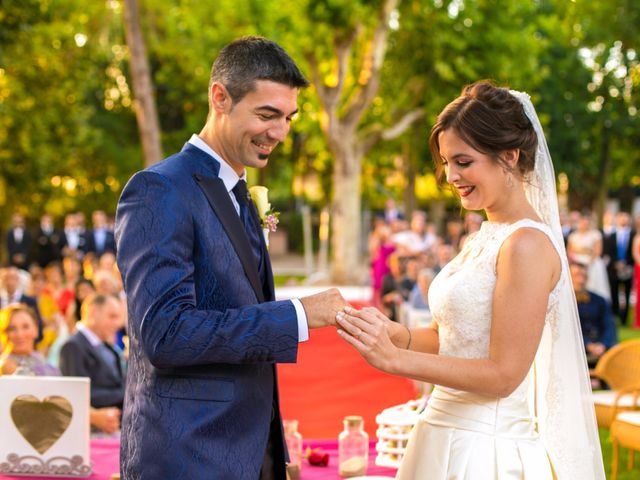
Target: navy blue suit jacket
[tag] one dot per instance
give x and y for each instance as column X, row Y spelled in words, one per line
column 201, row 387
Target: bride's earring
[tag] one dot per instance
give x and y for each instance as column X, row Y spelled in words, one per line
column 509, row 180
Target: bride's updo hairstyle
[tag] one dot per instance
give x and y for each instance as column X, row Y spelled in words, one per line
column 490, row 120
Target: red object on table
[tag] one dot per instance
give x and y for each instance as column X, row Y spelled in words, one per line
column 105, row 456
column 330, row 472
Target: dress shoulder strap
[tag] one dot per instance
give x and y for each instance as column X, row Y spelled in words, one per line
column 543, row 227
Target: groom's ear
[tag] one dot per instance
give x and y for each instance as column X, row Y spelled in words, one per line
column 220, row 98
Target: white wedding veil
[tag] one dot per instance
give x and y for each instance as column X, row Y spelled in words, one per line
column 563, row 399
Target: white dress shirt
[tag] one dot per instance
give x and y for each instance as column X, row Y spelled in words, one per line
column 73, row 238
column 229, row 177
column 18, row 234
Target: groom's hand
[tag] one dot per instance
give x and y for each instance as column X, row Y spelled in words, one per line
column 321, row 308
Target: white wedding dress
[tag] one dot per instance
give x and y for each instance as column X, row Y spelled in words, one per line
column 467, row 436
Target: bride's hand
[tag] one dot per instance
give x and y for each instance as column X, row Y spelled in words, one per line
column 368, row 331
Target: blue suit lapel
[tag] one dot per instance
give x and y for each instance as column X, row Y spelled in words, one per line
column 218, row 198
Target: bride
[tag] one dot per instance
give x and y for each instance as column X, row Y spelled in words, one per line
column 512, row 395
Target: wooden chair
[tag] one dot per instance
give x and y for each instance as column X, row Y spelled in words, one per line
column 619, row 367
column 625, row 432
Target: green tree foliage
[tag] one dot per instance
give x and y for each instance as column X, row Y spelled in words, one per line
column 57, row 139
column 590, row 95
column 68, row 138
column 438, row 48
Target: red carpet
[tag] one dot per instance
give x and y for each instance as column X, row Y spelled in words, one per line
column 331, row 380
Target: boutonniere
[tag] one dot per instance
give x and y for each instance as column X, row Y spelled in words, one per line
column 268, row 217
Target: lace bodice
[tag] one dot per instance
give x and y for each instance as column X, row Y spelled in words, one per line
column 461, row 295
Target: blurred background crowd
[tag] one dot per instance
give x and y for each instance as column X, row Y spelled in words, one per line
column 406, row 254
column 63, row 310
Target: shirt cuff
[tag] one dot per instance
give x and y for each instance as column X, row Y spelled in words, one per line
column 303, row 327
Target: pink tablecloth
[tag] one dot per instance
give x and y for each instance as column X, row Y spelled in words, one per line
column 105, row 455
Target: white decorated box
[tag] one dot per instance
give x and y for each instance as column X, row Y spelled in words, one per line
column 45, row 426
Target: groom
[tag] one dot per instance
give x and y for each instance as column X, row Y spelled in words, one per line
column 205, row 332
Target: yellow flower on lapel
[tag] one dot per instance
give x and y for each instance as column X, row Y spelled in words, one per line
column 260, row 196
column 268, row 217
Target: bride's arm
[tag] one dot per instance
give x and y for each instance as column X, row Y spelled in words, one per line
column 527, row 269
column 417, row 339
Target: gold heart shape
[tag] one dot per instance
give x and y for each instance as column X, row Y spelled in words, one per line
column 41, row 423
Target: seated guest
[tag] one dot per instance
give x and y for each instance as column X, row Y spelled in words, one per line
column 11, row 292
column 56, row 286
column 415, row 239
column 397, row 284
column 90, row 351
column 419, row 295
column 444, row 254
column 18, row 329
column 472, row 223
column 106, row 283
column 83, row 289
column 107, row 261
column 71, row 271
column 596, row 318
column 454, row 231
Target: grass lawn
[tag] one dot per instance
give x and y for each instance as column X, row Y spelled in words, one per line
column 628, row 333
column 607, row 452
column 624, row 333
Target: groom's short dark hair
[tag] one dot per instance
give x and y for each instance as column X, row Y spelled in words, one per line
column 247, row 59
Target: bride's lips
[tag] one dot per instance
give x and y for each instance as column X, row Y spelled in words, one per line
column 465, row 191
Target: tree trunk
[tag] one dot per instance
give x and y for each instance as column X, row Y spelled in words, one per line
column 144, row 102
column 346, row 268
column 345, row 142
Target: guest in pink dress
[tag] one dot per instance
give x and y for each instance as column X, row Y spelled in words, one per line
column 380, row 248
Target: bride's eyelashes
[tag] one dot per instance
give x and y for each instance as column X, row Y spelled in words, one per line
column 459, row 163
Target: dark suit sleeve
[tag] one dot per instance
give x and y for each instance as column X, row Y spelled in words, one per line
column 76, row 361
column 72, row 361
column 155, row 241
